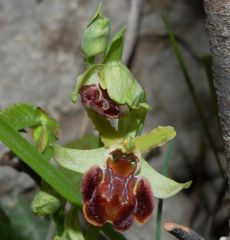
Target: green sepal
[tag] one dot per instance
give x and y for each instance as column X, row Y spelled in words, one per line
column 108, row 134
column 121, row 85
column 98, row 14
column 133, row 121
column 81, row 160
column 162, row 187
column 155, row 138
column 115, row 47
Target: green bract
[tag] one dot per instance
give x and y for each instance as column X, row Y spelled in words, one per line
column 94, row 40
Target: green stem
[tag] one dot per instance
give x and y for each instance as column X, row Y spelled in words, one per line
column 191, row 88
column 92, row 233
column 165, row 167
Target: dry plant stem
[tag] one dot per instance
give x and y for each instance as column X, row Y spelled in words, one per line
column 218, row 25
column 181, row 232
column 132, row 30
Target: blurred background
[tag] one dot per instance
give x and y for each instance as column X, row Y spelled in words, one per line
column 40, row 59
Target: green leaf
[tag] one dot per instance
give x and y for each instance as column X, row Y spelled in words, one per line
column 25, row 225
column 121, row 85
column 79, row 160
column 90, row 76
column 155, row 138
column 27, row 153
column 115, row 47
column 108, row 134
column 162, row 186
column 21, row 116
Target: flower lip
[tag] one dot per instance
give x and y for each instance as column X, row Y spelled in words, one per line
column 96, row 98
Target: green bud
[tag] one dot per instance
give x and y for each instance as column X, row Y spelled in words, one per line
column 41, row 137
column 95, row 36
column 45, row 204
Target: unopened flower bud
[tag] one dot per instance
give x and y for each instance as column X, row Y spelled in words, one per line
column 45, row 204
column 95, row 36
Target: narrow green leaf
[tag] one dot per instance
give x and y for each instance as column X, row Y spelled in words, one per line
column 108, row 134
column 155, row 138
column 115, row 47
column 207, row 62
column 191, row 87
column 21, row 116
column 26, row 152
column 162, row 186
column 79, row 160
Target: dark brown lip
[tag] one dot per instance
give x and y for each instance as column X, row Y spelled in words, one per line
column 96, row 98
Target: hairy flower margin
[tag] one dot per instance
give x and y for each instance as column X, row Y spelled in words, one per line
column 115, row 194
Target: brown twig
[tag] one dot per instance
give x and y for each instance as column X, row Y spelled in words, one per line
column 181, row 232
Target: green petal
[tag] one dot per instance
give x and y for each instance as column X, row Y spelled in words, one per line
column 155, row 138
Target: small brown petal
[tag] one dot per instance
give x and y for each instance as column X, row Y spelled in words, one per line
column 98, row 99
column 145, row 204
